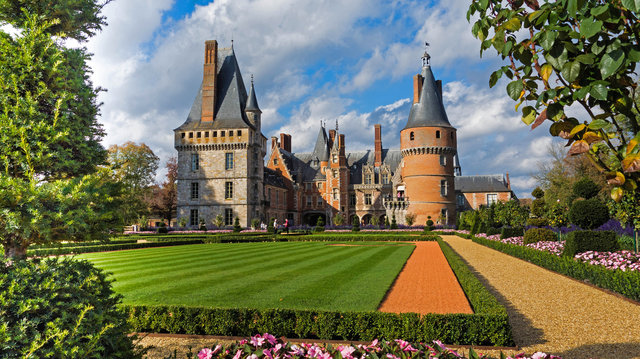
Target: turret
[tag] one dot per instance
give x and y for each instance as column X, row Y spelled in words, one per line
column 253, row 110
column 428, row 146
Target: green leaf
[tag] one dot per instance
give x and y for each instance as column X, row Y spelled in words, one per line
column 528, row 115
column 585, row 59
column 513, row 24
column 611, row 62
column 514, row 89
column 557, row 57
column 572, row 7
column 547, row 39
column 590, row 27
column 473, row 354
column 633, row 55
column 599, row 10
column 495, row 76
column 571, row 71
column 599, row 91
column 598, row 124
column 633, row 5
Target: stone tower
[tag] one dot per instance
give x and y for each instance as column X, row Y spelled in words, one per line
column 428, row 147
column 221, row 147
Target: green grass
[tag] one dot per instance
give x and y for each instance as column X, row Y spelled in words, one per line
column 298, row 275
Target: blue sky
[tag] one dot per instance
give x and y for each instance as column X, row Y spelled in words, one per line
column 313, row 61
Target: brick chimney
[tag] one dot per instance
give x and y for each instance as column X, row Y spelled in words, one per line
column 378, row 145
column 341, row 145
column 508, row 181
column 285, row 142
column 209, row 80
column 332, row 137
column 417, row 87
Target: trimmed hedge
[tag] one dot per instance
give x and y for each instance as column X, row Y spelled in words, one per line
column 624, row 283
column 583, row 241
column 475, row 329
column 534, row 235
column 365, row 237
column 81, row 244
column 508, row 232
column 108, row 247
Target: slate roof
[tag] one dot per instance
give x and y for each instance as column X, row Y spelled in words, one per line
column 231, row 98
column 272, row 178
column 252, row 104
column 481, row 183
column 429, row 111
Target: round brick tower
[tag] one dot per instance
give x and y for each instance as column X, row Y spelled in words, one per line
column 428, row 146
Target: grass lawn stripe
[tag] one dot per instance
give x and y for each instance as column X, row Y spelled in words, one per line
column 294, row 271
column 226, row 277
column 205, row 253
column 278, row 282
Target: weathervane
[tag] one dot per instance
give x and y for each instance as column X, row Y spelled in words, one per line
column 426, row 58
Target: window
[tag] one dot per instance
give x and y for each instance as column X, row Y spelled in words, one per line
column 385, row 178
column 228, row 161
column 460, row 198
column 215, row 133
column 444, row 214
column 277, row 197
column 183, row 135
column 239, row 133
column 228, row 217
column 367, row 199
column 443, row 160
column 190, row 134
column 352, row 199
column 335, row 193
column 444, row 188
column 222, row 133
column 195, row 162
column 451, row 135
column 268, row 194
column 411, row 136
column 437, row 134
column 275, row 161
column 193, row 218
column 195, row 190
column 492, row 198
column 367, row 178
column 319, row 201
column 307, row 186
column 284, row 197
column 308, row 201
column 206, row 134
column 199, row 134
column 228, row 190
column 335, row 158
column 335, row 173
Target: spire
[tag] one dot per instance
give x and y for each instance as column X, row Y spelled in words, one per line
column 429, row 110
column 252, row 104
column 321, row 149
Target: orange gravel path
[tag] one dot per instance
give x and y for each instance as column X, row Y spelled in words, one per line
column 426, row 285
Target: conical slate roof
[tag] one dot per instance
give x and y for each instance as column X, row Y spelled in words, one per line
column 429, row 111
column 252, row 104
column 231, row 98
column 321, row 150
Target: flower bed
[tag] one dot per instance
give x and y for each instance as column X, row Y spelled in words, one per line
column 268, row 346
column 622, row 260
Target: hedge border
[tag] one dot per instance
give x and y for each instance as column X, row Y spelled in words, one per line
column 107, row 247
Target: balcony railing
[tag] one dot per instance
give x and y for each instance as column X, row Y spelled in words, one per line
column 395, row 202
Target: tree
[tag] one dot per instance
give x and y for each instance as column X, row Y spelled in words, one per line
column 134, row 166
column 571, row 52
column 338, row 219
column 50, row 151
column 164, row 198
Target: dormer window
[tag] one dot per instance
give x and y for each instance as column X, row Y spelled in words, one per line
column 367, row 178
column 335, row 158
column 190, row 134
column 199, row 134
column 239, row 133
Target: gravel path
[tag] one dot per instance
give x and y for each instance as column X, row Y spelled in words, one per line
column 552, row 313
column 426, row 284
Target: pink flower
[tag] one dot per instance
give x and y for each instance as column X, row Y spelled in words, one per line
column 539, row 355
column 257, row 341
column 205, row 353
column 391, row 356
column 238, row 354
column 346, row 351
column 296, row 350
column 252, row 356
column 270, row 338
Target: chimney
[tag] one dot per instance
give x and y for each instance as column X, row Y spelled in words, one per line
column 285, row 142
column 274, row 142
column 332, row 137
column 378, row 145
column 341, row 145
column 209, row 80
column 417, row 87
column 508, row 181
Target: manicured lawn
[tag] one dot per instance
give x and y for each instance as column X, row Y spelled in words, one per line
column 295, row 275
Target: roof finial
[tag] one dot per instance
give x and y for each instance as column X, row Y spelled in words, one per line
column 251, row 79
column 336, row 125
column 426, row 58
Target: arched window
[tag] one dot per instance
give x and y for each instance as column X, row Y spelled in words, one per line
column 411, row 136
column 437, row 134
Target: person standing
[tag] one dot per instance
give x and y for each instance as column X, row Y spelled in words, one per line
column 286, row 225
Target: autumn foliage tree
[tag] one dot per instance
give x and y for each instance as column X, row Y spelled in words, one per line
column 164, row 198
column 572, row 53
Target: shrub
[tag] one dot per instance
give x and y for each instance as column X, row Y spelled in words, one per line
column 375, row 220
column 338, row 219
column 162, row 229
column 585, row 188
column 534, row 235
column 356, row 226
column 386, row 222
column 429, row 224
column 492, row 230
column 61, row 308
column 255, row 223
column 475, row 223
column 236, row 225
column 537, row 222
column 583, row 241
column 270, row 227
column 394, row 224
column 203, row 226
column 410, row 218
column 588, row 213
column 508, row 232
column 319, row 225
column 182, row 222
column 537, row 193
column 218, row 221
